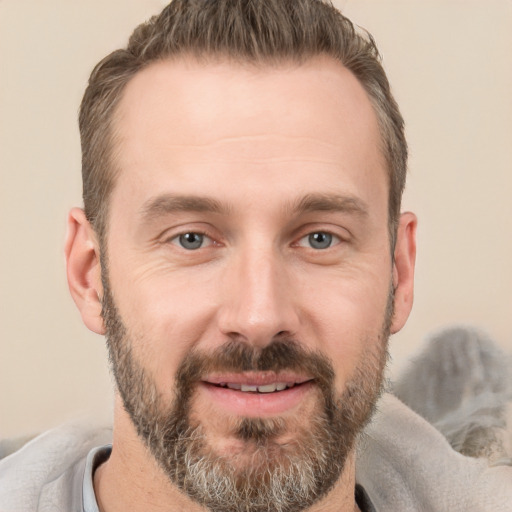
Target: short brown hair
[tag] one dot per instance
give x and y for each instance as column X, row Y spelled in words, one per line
column 257, row 31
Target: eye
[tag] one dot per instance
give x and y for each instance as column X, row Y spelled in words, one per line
column 191, row 241
column 319, row 240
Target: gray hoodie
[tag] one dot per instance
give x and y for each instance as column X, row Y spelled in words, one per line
column 403, row 463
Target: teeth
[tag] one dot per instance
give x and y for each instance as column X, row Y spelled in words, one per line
column 246, row 387
column 269, row 388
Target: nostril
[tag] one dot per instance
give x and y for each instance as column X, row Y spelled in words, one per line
column 284, row 335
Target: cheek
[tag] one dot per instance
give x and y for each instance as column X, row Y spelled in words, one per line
column 347, row 319
column 165, row 319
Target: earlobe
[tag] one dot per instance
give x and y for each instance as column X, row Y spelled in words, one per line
column 83, row 269
column 403, row 270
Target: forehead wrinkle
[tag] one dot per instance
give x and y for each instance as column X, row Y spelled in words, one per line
column 329, row 203
column 165, row 204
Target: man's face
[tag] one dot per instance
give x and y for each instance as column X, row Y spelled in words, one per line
column 247, row 299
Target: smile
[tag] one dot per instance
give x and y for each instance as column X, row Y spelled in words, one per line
column 257, row 394
column 266, row 388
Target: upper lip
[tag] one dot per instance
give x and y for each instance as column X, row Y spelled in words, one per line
column 256, row 378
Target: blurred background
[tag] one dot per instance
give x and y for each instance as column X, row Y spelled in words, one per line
column 450, row 66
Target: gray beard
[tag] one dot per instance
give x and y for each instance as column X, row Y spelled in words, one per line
column 267, row 476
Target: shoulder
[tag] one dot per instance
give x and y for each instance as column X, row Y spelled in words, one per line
column 43, row 473
column 405, row 464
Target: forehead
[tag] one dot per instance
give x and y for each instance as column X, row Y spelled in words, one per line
column 200, row 93
column 256, row 122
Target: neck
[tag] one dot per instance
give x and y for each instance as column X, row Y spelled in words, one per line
column 132, row 480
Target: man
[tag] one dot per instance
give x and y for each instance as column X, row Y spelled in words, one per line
column 242, row 248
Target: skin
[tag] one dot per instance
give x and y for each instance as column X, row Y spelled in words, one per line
column 258, row 141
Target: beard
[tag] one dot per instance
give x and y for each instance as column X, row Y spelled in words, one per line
column 266, row 475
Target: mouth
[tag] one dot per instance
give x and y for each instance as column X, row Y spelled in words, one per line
column 257, row 393
column 254, row 388
column 257, row 382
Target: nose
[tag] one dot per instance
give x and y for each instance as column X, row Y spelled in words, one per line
column 259, row 303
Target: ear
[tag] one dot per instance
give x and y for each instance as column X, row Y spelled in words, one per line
column 83, row 269
column 403, row 269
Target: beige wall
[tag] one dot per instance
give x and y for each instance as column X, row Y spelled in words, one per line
column 449, row 63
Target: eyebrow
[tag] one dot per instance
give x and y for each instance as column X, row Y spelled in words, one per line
column 330, row 203
column 169, row 203
column 166, row 204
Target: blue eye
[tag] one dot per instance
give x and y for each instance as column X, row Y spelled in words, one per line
column 318, row 240
column 190, row 241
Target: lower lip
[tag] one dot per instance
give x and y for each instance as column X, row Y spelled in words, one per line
column 256, row 404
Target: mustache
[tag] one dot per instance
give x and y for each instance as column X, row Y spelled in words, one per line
column 238, row 356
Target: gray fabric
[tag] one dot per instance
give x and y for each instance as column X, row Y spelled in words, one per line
column 94, row 458
column 46, row 475
column 461, row 383
column 8, row 446
column 404, row 464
